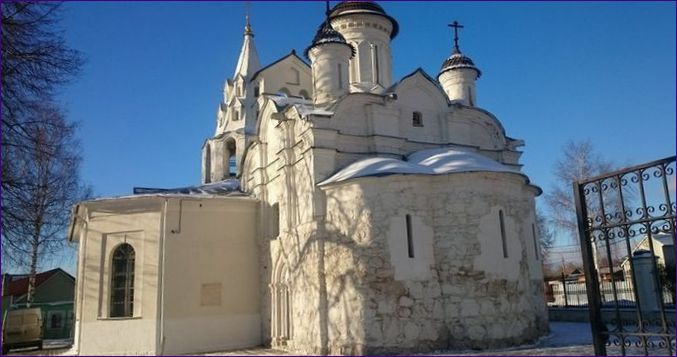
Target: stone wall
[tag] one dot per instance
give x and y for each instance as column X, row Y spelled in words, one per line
column 460, row 302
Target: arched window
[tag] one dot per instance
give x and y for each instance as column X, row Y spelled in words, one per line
column 231, row 151
column 303, row 93
column 122, row 282
column 364, row 62
column 284, row 91
column 375, row 65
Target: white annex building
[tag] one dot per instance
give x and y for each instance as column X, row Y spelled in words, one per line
column 341, row 212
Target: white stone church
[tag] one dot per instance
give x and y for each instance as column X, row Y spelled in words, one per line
column 341, row 212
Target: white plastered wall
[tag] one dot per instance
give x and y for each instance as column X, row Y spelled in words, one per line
column 211, row 276
column 99, row 334
column 205, row 298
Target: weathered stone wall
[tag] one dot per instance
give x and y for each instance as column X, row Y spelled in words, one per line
column 469, row 298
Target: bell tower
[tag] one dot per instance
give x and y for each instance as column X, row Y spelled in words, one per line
column 235, row 116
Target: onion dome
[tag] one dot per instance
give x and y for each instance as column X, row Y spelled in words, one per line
column 351, row 7
column 458, row 60
column 326, row 34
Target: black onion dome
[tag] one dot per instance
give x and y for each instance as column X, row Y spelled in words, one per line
column 458, row 60
column 357, row 5
column 326, row 34
column 349, row 7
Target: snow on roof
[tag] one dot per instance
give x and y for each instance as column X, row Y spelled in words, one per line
column 427, row 162
column 282, row 101
column 305, row 107
column 217, row 188
column 447, row 160
column 664, row 238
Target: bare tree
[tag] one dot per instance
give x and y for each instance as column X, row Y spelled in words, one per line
column 38, row 144
column 35, row 58
column 35, row 226
column 579, row 161
column 545, row 235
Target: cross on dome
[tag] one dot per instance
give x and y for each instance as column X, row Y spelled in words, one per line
column 455, row 25
column 247, row 27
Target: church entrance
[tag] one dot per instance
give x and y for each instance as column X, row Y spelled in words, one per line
column 280, row 306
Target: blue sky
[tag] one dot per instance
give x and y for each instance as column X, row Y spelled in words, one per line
column 552, row 72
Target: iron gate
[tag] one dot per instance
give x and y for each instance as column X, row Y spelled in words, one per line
column 626, row 223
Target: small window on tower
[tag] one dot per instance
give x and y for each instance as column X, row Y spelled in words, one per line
column 417, row 119
column 256, row 92
column 236, row 115
column 377, row 70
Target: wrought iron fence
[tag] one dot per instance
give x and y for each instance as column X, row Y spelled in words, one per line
column 630, row 213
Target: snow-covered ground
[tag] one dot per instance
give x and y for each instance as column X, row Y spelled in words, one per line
column 565, row 339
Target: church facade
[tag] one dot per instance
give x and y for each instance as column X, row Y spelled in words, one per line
column 341, row 212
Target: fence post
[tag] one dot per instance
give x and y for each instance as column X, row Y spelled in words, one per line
column 564, row 290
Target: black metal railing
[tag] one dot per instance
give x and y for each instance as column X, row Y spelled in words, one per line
column 629, row 215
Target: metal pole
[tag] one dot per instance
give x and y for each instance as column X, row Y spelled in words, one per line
column 596, row 324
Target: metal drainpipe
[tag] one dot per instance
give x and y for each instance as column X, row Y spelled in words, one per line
column 82, row 282
column 161, row 335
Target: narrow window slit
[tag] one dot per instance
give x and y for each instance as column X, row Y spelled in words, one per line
column 533, row 234
column 410, row 240
column 505, row 243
